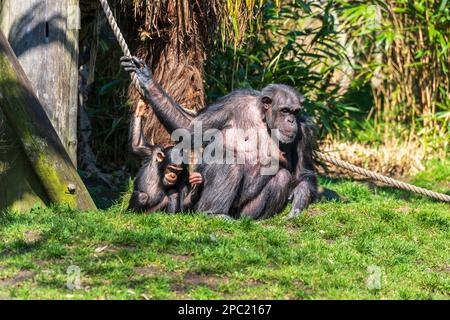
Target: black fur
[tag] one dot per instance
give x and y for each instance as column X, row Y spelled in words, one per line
column 241, row 189
column 151, row 192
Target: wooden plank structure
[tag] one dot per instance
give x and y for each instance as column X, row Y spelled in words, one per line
column 44, row 37
column 34, row 164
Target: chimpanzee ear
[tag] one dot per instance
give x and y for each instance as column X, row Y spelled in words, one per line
column 160, row 156
column 301, row 98
column 267, row 101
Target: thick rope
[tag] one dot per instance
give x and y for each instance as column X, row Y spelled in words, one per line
column 119, row 36
column 319, row 155
column 126, row 52
column 384, row 179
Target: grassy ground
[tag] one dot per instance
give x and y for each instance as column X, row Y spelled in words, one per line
column 378, row 244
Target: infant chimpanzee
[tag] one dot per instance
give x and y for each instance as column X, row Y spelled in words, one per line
column 161, row 184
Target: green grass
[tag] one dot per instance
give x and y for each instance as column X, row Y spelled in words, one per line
column 329, row 253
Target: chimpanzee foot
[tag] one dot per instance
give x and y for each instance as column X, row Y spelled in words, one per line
column 222, row 216
column 293, row 214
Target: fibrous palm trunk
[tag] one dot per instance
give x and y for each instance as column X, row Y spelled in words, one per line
column 176, row 57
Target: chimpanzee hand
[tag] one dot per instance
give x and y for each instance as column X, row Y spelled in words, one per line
column 195, row 178
column 138, row 66
column 293, row 214
column 302, row 195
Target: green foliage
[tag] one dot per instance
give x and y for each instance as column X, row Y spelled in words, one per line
column 436, row 176
column 398, row 83
column 402, row 50
column 109, row 108
column 297, row 44
column 359, row 63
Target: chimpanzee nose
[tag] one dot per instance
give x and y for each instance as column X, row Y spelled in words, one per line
column 172, row 176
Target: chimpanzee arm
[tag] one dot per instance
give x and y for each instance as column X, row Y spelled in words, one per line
column 170, row 114
column 160, row 205
column 138, row 201
column 173, row 205
column 189, row 197
column 211, row 119
column 136, row 140
column 304, row 178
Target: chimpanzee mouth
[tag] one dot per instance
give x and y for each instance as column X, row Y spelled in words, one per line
column 170, row 178
column 287, row 136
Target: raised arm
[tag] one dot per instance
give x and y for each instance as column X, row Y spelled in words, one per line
column 169, row 113
column 137, row 143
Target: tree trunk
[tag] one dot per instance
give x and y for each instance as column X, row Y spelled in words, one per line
column 39, row 140
column 177, row 62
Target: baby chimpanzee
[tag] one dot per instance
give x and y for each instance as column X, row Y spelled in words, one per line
column 161, row 184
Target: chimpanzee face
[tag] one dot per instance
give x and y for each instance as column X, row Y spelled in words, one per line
column 282, row 105
column 168, row 167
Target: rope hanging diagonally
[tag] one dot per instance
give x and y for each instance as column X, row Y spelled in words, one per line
column 342, row 164
column 120, row 39
column 126, row 52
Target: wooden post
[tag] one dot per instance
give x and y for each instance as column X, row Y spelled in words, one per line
column 20, row 188
column 44, row 36
column 39, row 140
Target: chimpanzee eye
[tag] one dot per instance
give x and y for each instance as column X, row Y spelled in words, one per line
column 285, row 110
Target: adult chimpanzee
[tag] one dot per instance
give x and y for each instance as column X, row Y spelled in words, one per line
column 161, row 183
column 240, row 189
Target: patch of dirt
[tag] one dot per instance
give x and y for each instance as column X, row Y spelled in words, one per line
column 299, row 284
column 445, row 268
column 21, row 276
column 40, row 263
column 224, row 233
column 178, row 288
column 33, row 236
column 192, row 279
column 313, row 212
column 292, row 229
column 253, row 283
column 185, row 281
column 102, row 249
column 195, row 279
column 180, row 257
column 403, row 209
column 149, row 271
column 128, row 247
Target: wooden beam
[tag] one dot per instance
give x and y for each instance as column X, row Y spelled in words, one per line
column 39, row 140
column 20, row 188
